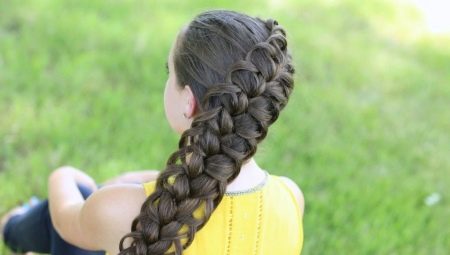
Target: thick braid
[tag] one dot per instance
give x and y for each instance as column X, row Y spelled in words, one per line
column 235, row 117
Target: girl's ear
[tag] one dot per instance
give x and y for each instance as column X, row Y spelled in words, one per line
column 190, row 108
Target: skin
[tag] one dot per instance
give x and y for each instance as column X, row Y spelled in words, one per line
column 87, row 223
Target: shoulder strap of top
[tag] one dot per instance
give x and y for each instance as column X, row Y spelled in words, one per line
column 150, row 187
column 291, row 194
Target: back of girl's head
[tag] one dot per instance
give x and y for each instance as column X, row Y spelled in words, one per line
column 240, row 72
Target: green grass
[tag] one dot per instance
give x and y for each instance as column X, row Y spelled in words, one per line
column 365, row 133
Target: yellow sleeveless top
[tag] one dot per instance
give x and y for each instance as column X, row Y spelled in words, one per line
column 265, row 220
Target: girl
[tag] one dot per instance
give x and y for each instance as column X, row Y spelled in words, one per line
column 230, row 75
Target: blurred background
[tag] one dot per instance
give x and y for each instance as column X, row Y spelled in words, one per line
column 365, row 133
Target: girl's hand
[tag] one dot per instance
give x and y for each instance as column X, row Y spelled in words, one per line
column 79, row 176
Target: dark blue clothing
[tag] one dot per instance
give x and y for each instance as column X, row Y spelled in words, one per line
column 33, row 232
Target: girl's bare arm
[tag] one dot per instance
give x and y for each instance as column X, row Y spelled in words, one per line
column 88, row 223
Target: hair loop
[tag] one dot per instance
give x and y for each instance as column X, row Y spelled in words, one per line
column 270, row 23
column 206, row 115
column 240, row 65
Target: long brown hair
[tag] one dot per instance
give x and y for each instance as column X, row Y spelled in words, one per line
column 241, row 74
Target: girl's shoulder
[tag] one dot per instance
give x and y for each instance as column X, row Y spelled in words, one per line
column 296, row 191
column 111, row 210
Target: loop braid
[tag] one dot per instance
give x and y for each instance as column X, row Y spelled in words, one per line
column 235, row 118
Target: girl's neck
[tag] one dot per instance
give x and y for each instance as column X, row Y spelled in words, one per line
column 250, row 176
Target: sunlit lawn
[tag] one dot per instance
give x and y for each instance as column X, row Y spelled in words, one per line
column 365, row 133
